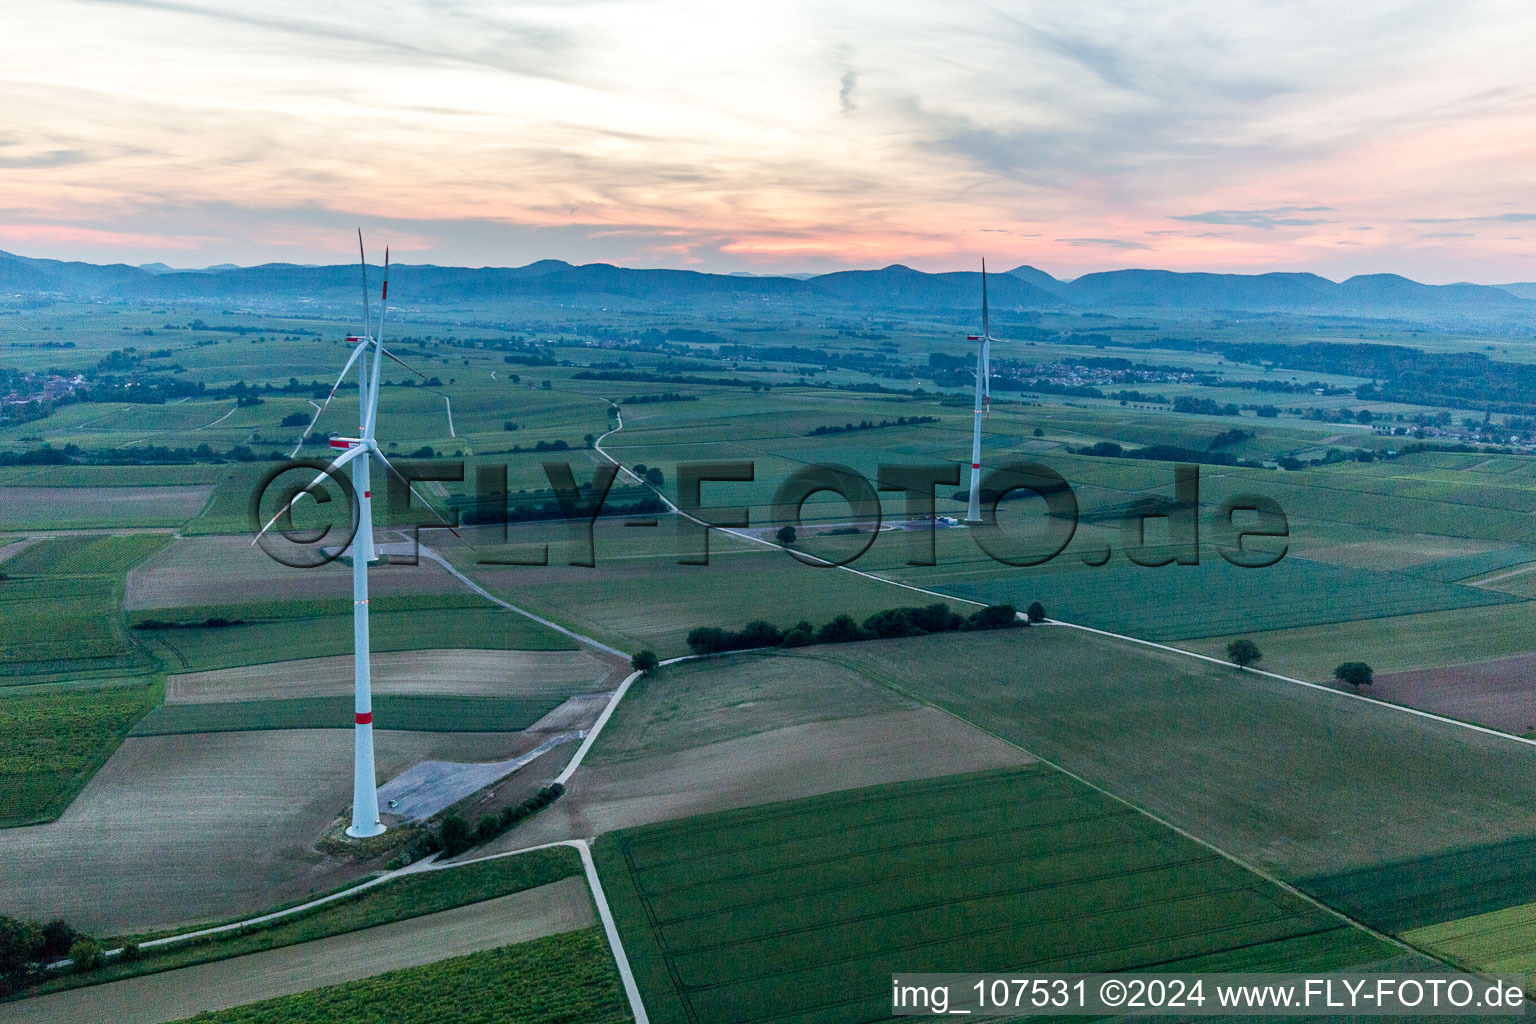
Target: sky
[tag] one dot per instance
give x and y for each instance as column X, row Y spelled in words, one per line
column 1223, row 135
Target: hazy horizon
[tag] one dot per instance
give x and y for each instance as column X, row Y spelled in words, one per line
column 788, row 138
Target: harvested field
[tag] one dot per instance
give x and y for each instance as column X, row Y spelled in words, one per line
column 64, row 508
column 1397, row 552
column 222, row 570
column 801, row 911
column 463, row 672
column 182, row 829
column 1499, row 693
column 172, row 995
column 780, row 764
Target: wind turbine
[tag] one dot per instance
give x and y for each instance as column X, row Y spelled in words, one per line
column 365, row 796
column 983, row 398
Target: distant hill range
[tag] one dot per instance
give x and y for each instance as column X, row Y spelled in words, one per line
column 892, row 288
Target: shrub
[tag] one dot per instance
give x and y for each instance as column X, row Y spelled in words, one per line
column 842, row 630
column 21, row 949
column 994, row 616
column 57, row 938
column 798, row 637
column 131, row 951
column 786, row 535
column 758, row 633
column 893, row 622
column 455, row 835
column 708, row 640
column 1035, row 612
column 85, row 954
column 644, row 661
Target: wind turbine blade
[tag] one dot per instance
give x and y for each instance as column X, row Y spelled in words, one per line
column 392, row 471
column 986, row 326
column 345, row 458
column 384, row 298
column 986, row 381
column 403, row 363
column 362, row 266
column 318, row 412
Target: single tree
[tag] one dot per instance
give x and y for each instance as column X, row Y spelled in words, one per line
column 1035, row 611
column 644, row 661
column 786, row 535
column 1355, row 673
column 1243, row 653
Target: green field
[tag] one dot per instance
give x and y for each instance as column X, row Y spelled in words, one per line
column 1392, row 644
column 418, row 712
column 57, row 625
column 52, row 742
column 1498, row 942
column 1404, row 895
column 696, row 703
column 285, row 631
column 85, row 556
column 801, row 911
column 1214, row 598
column 1300, row 781
column 638, row 595
column 396, row 900
column 562, row 979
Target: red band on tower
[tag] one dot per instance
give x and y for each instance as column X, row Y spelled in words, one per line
column 364, row 718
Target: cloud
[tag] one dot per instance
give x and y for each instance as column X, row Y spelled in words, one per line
column 53, row 158
column 845, row 92
column 1109, row 243
column 1502, row 218
column 1265, row 220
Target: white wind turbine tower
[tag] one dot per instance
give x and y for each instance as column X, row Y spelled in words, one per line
column 983, row 398
column 365, row 797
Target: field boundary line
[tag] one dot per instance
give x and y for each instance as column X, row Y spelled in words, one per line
column 1091, row 629
column 597, row 727
column 1234, row 858
column 478, row 589
column 620, row 959
column 1404, row 708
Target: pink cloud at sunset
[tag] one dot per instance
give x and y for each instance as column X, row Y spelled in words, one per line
column 777, row 137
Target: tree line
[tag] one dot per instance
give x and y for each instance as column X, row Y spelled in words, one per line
column 883, row 625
